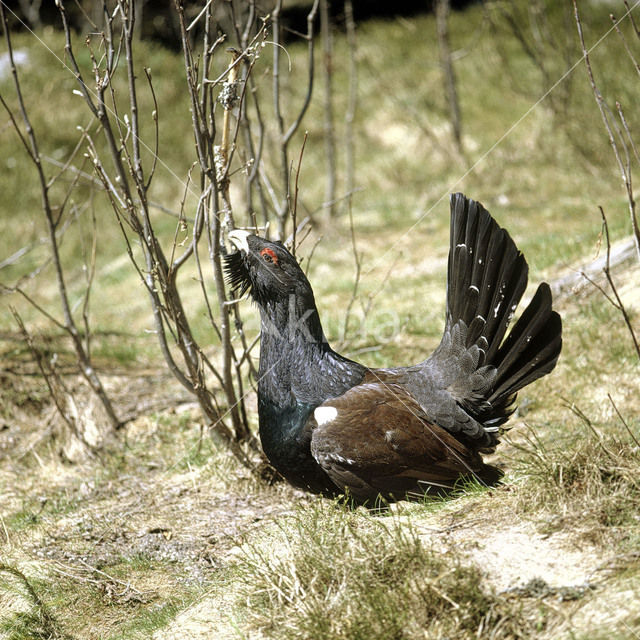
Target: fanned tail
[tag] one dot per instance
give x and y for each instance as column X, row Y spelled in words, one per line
column 487, row 276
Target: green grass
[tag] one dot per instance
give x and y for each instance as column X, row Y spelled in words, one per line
column 36, row 510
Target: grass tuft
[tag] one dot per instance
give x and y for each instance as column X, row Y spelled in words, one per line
column 341, row 575
column 588, row 480
column 23, row 615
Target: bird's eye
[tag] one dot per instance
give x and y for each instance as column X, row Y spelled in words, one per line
column 269, row 255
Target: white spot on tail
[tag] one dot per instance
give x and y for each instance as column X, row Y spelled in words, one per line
column 325, row 414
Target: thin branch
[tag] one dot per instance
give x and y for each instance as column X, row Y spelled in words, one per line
column 350, row 114
column 619, row 304
column 156, row 146
column 633, row 21
column 625, row 43
column 49, row 625
column 624, row 422
column 356, row 281
column 329, row 128
column 628, row 182
column 442, row 10
column 52, row 379
column 311, row 16
column 71, row 329
column 90, row 271
column 294, row 210
column 602, row 107
column 286, row 135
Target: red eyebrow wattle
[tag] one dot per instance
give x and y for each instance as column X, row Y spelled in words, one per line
column 271, row 253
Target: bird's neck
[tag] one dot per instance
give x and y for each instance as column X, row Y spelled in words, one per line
column 296, row 362
column 292, row 324
column 298, row 371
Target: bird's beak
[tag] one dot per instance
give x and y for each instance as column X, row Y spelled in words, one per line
column 238, row 239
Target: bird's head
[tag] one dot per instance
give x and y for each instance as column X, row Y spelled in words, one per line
column 267, row 270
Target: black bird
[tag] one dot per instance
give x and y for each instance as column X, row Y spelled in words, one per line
column 331, row 425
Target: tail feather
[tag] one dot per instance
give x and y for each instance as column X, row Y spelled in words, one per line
column 531, row 349
column 507, row 291
column 487, row 276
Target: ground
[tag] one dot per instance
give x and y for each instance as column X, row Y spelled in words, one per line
column 145, row 539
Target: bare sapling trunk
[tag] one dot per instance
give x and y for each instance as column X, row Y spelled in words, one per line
column 443, row 9
column 128, row 179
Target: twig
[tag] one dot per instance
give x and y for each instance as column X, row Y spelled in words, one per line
column 442, row 11
column 350, row 114
column 89, row 271
column 329, row 129
column 624, row 422
column 93, row 569
column 618, row 303
column 285, row 135
column 52, row 380
column 50, row 627
column 294, row 210
column 356, row 282
column 633, row 21
column 156, row 122
column 589, row 424
column 624, row 41
column 602, row 107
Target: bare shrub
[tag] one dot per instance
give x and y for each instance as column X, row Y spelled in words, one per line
column 56, row 216
column 238, row 126
column 626, row 155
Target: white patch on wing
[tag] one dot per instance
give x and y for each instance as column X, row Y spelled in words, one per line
column 335, row 457
column 325, row 414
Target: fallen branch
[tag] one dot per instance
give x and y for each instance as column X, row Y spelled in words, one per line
column 622, row 255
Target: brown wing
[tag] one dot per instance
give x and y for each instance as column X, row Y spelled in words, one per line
column 376, row 439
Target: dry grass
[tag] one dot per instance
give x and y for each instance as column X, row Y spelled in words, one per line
column 330, row 573
column 586, row 482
